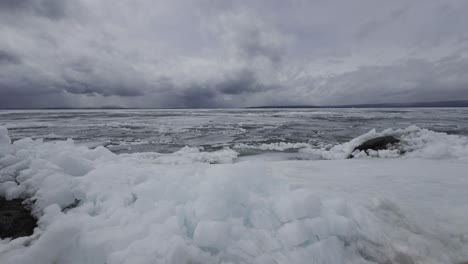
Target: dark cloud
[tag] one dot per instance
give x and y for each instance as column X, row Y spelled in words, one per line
column 8, row 58
column 410, row 81
column 91, row 89
column 47, row 8
column 238, row 83
column 13, row 4
column 196, row 96
column 56, row 53
column 209, row 93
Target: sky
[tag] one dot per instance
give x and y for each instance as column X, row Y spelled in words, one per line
column 237, row 53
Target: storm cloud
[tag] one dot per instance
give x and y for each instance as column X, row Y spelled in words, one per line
column 204, row 53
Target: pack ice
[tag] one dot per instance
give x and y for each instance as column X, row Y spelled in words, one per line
column 191, row 206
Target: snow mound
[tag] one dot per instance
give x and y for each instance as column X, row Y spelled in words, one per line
column 415, row 143
column 94, row 206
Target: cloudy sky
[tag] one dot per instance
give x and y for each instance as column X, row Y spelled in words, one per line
column 207, row 53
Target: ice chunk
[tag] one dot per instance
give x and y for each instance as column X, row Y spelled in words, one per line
column 318, row 228
column 340, row 226
column 264, row 219
column 4, row 138
column 328, row 251
column 265, row 259
column 211, row 235
column 74, row 166
column 293, row 234
column 296, row 205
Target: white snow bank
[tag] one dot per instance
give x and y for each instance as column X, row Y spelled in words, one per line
column 415, row 143
column 186, row 155
column 139, row 208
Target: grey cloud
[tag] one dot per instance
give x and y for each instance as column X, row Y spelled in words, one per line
column 211, row 93
column 413, row 80
column 13, row 4
column 82, row 78
column 196, row 96
column 369, row 28
column 241, row 53
column 193, row 95
column 8, row 58
column 250, row 38
column 250, row 46
column 47, row 8
column 91, row 89
column 375, row 25
column 238, row 83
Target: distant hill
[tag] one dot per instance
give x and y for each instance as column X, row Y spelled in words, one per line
column 459, row 103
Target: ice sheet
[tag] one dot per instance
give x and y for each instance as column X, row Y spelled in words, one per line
column 193, row 206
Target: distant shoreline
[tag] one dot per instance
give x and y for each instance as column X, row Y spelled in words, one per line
column 435, row 104
column 459, row 103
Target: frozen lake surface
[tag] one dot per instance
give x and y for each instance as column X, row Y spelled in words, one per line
column 169, row 130
column 237, row 186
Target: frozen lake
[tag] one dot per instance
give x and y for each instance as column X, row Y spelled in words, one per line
column 237, row 186
column 169, row 130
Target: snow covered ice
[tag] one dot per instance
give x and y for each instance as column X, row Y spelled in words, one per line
column 196, row 206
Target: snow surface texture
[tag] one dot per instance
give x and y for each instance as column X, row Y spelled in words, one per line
column 415, row 143
column 203, row 207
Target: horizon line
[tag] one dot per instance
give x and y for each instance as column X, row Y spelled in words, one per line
column 429, row 104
